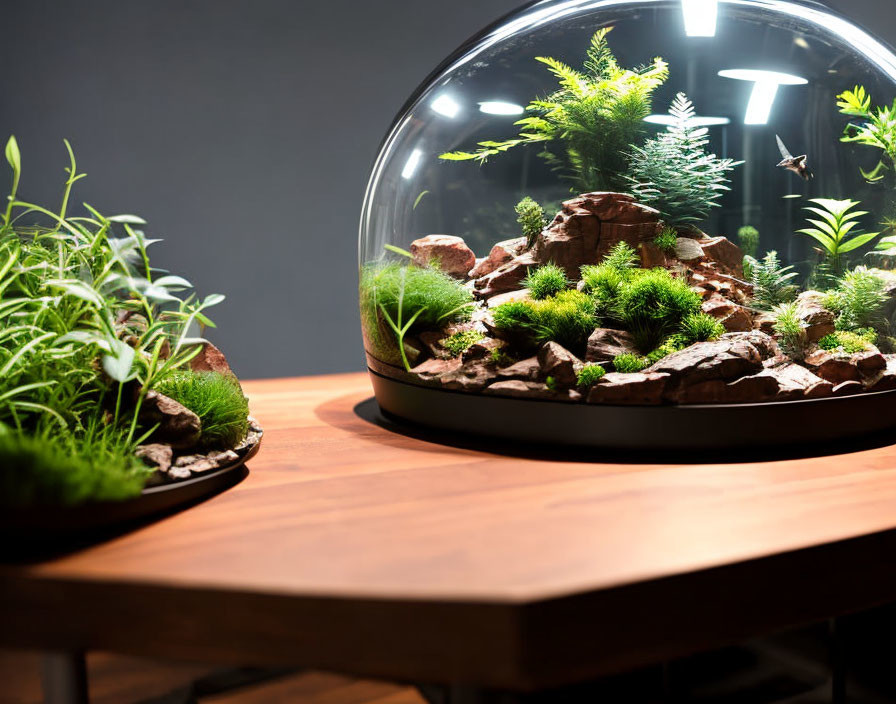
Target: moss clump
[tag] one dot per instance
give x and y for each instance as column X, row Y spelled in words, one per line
column 700, row 327
column 413, row 299
column 567, row 319
column 589, row 375
column 546, row 281
column 652, row 304
column 845, row 342
column 218, row 401
column 460, row 342
column 629, row 363
column 667, row 240
column 530, row 216
column 673, row 344
column 54, row 469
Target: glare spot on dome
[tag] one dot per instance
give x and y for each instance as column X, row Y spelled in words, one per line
column 410, row 166
column 698, row 121
column 445, row 105
column 700, row 17
column 765, row 89
column 499, row 107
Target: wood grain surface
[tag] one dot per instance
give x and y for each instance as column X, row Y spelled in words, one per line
column 359, row 547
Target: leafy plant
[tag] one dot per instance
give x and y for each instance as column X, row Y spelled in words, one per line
column 629, row 363
column 602, row 281
column 530, row 216
column 877, row 129
column 859, row 300
column 589, row 122
column 791, row 330
column 622, row 257
column 567, row 319
column 546, row 281
column 83, row 315
column 404, row 299
column 216, row 398
column 673, row 344
column 834, row 231
column 667, row 240
column 772, row 282
column 461, row 341
column 700, row 327
column 652, row 304
column 589, row 375
column 675, row 174
column 844, row 342
column 748, row 238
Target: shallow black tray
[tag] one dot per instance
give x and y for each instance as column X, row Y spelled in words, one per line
column 809, row 424
column 63, row 525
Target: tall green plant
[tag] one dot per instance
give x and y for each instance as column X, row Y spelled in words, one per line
column 587, row 125
column 772, row 282
column 675, row 174
column 877, row 129
column 834, row 231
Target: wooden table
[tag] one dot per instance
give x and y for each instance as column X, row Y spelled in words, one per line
column 356, row 547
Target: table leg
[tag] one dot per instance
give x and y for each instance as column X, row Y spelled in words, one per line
column 64, row 678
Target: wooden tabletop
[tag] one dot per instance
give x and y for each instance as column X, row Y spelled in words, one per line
column 358, row 547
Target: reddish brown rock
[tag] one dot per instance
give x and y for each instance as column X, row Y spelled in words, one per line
column 176, row 425
column 520, row 295
column 885, row 380
column 530, row 389
column 158, row 455
column 606, row 344
column 831, row 367
column 501, row 253
column 474, row 375
column 749, row 389
column 210, row 359
column 653, row 257
column 432, row 370
column 818, row 320
column 688, row 249
column 727, row 256
column 432, row 344
column 527, row 369
column 558, row 362
column 797, row 382
column 507, row 277
column 848, row 388
column 733, row 355
column 641, row 389
column 764, row 322
column 734, row 317
column 870, row 363
column 450, row 253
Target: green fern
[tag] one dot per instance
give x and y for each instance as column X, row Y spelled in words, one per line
column 587, row 125
column 675, row 174
column 772, row 282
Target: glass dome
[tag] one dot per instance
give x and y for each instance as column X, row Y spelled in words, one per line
column 640, row 203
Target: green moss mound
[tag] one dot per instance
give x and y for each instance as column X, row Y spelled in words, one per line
column 546, row 281
column 651, row 304
column 845, row 342
column 66, row 469
column 217, row 399
column 630, row 363
column 589, row 375
column 567, row 319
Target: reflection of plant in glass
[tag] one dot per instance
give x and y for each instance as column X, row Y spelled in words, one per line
column 834, row 231
column 82, row 318
column 593, row 118
column 878, row 129
column 530, row 216
column 772, row 282
column 675, row 174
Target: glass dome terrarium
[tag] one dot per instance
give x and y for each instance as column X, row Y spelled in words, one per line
column 598, row 215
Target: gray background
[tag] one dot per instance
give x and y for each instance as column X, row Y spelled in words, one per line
column 243, row 130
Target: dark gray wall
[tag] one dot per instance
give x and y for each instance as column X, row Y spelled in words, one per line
column 243, row 130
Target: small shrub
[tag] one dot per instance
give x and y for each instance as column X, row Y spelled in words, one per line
column 652, row 304
column 461, row 341
column 530, row 216
column 500, row 358
column 700, row 327
column 845, row 342
column 567, row 319
column 622, row 257
column 667, row 240
column 546, row 281
column 218, row 401
column 748, row 238
column 772, row 282
column 629, row 363
column 859, row 300
column 589, row 375
column 397, row 300
column 673, row 344
column 791, row 329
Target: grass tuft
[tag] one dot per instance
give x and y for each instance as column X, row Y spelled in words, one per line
column 589, row 375
column 460, row 342
column 630, row 363
column 546, row 281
